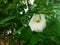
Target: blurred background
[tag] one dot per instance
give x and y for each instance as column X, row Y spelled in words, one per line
column 15, row 16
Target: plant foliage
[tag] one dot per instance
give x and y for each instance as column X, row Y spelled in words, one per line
column 10, row 18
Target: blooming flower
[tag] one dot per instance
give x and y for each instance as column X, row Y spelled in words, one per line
column 37, row 22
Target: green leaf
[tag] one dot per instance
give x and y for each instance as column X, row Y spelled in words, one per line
column 56, row 40
column 19, row 30
column 2, row 21
column 26, row 34
column 58, row 28
column 33, row 7
column 24, row 19
column 40, row 1
column 12, row 42
column 34, row 40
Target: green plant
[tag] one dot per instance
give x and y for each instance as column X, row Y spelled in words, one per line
column 13, row 16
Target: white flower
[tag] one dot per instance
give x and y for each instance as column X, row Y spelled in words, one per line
column 31, row 2
column 9, row 31
column 21, row 12
column 26, row 9
column 37, row 22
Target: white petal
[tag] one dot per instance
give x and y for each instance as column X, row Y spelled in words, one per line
column 31, row 2
column 26, row 9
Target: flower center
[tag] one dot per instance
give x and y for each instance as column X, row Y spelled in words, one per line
column 37, row 21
